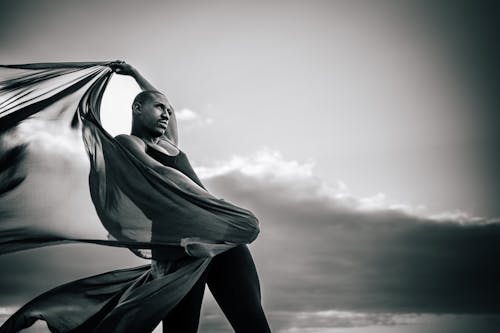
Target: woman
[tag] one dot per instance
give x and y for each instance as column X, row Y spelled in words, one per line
column 231, row 276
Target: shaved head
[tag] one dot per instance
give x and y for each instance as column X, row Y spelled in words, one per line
column 145, row 96
column 151, row 112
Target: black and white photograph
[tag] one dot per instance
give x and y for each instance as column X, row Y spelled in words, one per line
column 218, row 166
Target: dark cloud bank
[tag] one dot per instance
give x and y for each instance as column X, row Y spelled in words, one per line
column 317, row 252
column 320, row 249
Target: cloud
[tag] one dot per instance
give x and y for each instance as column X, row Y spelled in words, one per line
column 189, row 118
column 324, row 321
column 332, row 322
column 5, row 310
column 321, row 248
column 53, row 145
column 55, row 192
column 272, row 167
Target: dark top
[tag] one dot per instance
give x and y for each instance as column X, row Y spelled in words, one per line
column 181, row 163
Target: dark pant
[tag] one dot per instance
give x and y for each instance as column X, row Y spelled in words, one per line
column 233, row 281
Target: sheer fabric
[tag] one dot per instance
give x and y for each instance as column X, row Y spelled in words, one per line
column 130, row 199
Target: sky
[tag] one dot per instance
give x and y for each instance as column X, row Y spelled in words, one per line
column 362, row 134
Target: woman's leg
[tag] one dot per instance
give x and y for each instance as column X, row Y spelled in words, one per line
column 233, row 281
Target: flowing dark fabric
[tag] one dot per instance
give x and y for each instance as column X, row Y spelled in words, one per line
column 129, row 199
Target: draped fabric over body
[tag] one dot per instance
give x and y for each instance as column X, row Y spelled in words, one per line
column 138, row 208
